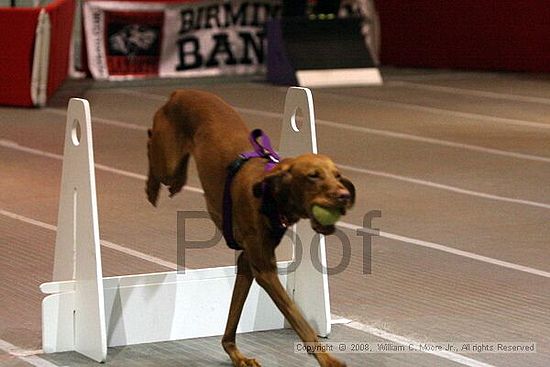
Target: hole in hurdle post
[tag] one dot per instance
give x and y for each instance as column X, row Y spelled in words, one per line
column 76, row 133
column 297, row 120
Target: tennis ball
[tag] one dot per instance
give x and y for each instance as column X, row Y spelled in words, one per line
column 325, row 216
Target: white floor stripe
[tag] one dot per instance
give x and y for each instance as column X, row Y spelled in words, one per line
column 29, row 356
column 455, row 189
column 445, row 76
column 435, row 110
column 22, row 218
column 107, row 244
column 472, row 92
column 16, row 351
column 336, row 319
column 135, row 93
column 398, row 339
column 404, row 136
column 409, row 106
column 343, row 224
column 117, row 171
column 128, row 251
column 445, row 143
column 444, row 112
column 16, row 146
column 124, row 125
column 378, row 132
column 450, row 250
column 354, row 227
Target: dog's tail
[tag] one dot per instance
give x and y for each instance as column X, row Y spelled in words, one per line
column 168, row 150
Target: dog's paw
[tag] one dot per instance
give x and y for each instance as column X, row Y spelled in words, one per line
column 246, row 362
column 152, row 189
column 336, row 363
column 331, row 362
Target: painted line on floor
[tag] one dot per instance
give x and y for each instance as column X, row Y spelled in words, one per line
column 135, row 93
column 409, row 106
column 16, row 351
column 124, row 125
column 28, row 356
column 371, row 131
column 404, row 136
column 447, row 249
column 343, row 224
column 354, row 227
column 471, row 92
column 436, row 185
column 445, row 76
column 32, row 356
column 16, row 146
column 421, row 108
column 113, row 246
column 444, row 112
column 38, row 362
column 398, row 339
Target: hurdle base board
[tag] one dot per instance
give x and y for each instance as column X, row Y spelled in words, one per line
column 157, row 307
column 339, row 77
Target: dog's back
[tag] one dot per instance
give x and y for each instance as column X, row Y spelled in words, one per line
column 194, row 123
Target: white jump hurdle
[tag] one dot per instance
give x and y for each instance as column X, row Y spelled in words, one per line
column 87, row 313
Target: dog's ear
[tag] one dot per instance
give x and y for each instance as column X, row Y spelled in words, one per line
column 348, row 185
column 277, row 181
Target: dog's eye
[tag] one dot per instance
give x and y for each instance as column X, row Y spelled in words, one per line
column 337, row 175
column 314, row 175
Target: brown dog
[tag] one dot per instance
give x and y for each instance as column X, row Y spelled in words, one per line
column 201, row 124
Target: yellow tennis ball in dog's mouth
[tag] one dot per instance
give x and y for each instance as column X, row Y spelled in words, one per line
column 325, row 216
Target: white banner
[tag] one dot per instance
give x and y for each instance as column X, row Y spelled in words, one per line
column 213, row 37
column 127, row 40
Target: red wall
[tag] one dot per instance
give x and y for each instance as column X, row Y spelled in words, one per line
column 16, row 58
column 61, row 14
column 18, row 27
column 471, row 34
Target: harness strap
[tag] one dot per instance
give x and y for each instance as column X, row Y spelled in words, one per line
column 271, row 211
column 262, row 149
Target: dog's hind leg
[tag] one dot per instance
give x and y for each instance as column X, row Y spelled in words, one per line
column 179, row 177
column 153, row 182
column 168, row 154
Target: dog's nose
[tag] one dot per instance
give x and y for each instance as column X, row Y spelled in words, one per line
column 343, row 195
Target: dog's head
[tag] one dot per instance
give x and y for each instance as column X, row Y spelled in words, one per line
column 298, row 184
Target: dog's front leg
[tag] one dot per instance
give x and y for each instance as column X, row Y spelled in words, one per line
column 269, row 280
column 240, row 292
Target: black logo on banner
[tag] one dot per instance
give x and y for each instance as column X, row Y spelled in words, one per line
column 133, row 40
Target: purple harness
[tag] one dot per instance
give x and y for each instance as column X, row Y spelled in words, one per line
column 262, row 149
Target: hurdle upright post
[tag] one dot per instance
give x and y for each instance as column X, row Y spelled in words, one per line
column 77, row 247
column 310, row 280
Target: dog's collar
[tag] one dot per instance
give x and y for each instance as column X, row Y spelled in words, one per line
column 262, row 149
column 278, row 221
